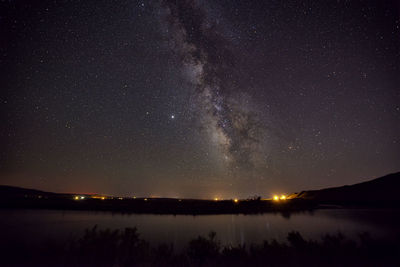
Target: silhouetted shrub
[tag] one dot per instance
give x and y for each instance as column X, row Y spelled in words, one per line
column 201, row 249
column 126, row 248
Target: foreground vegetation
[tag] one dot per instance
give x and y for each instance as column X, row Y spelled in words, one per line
column 126, row 248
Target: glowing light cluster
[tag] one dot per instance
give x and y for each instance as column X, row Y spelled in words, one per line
column 277, row 198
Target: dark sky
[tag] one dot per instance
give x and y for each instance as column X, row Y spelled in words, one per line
column 198, row 98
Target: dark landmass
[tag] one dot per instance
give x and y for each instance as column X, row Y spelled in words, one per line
column 382, row 191
column 378, row 193
column 32, row 199
column 125, row 248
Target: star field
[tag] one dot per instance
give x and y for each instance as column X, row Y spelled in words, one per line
column 198, row 98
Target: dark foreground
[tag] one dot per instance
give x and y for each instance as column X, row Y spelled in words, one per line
column 126, row 248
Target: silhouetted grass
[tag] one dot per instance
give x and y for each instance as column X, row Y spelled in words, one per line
column 125, row 248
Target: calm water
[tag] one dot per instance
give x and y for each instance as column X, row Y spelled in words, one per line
column 35, row 226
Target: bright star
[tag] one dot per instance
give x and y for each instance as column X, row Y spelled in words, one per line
column 172, row 116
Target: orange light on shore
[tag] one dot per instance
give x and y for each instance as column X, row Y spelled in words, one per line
column 216, row 199
column 236, row 200
column 277, row 197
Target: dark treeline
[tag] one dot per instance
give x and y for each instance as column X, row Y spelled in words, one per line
column 126, row 248
column 157, row 205
column 20, row 198
column 184, row 206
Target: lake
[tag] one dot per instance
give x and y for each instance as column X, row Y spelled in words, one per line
column 36, row 226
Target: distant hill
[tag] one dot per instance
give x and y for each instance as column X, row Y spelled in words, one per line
column 7, row 191
column 383, row 189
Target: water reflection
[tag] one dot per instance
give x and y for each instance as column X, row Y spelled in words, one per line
column 33, row 226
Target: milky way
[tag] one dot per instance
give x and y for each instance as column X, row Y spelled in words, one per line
column 226, row 112
column 198, row 98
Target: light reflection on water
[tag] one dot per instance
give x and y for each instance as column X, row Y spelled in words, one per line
column 32, row 226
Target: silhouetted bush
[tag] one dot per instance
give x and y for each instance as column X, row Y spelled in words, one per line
column 202, row 250
column 126, row 248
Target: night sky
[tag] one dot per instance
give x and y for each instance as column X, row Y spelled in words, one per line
column 198, row 98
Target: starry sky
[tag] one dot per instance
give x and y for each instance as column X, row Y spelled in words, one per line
column 198, row 99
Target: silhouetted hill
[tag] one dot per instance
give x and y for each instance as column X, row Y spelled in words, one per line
column 8, row 191
column 381, row 192
column 384, row 189
column 14, row 197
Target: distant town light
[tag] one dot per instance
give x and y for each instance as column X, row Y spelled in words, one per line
column 236, row 200
column 216, row 199
column 283, row 197
column 82, row 197
column 276, row 198
column 76, row 198
column 102, row 198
